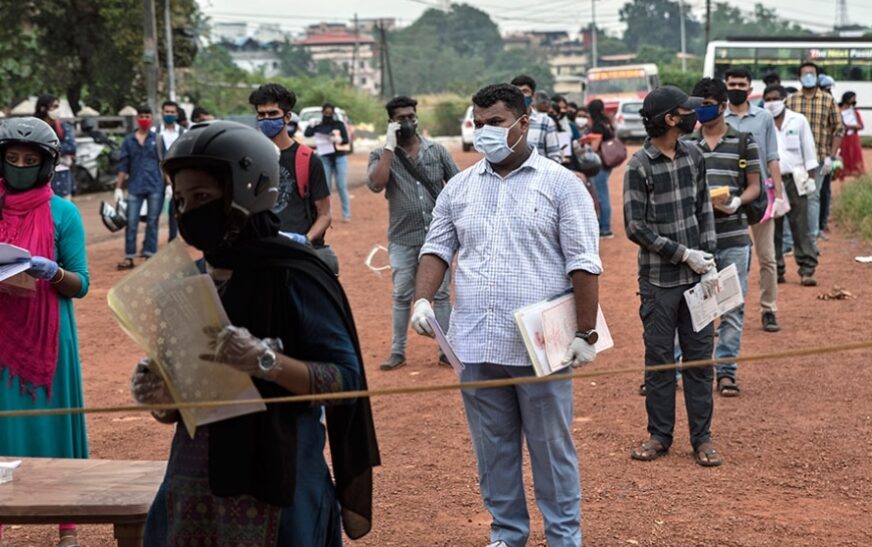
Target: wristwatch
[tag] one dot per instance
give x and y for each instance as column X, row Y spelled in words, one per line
column 589, row 336
column 267, row 362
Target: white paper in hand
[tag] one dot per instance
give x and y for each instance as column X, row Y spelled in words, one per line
column 13, row 260
column 445, row 346
column 727, row 296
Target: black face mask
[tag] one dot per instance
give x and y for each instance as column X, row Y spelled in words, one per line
column 737, row 96
column 571, row 116
column 687, row 123
column 204, row 227
column 21, row 179
column 408, row 128
column 327, row 119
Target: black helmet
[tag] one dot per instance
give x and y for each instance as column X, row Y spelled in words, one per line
column 589, row 163
column 34, row 132
column 248, row 160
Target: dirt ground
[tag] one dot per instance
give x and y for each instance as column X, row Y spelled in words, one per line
column 796, row 443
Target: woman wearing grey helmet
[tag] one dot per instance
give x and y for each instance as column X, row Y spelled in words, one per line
column 39, row 353
column 262, row 479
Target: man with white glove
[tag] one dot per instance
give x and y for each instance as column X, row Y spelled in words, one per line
column 118, row 195
column 730, row 205
column 698, row 261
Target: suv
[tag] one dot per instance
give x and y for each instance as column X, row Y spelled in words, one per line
column 466, row 130
column 312, row 115
column 628, row 122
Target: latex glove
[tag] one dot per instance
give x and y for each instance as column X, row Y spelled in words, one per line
column 579, row 353
column 237, row 348
column 709, row 282
column 731, row 206
column 391, row 136
column 780, row 208
column 699, row 261
column 147, row 387
column 297, row 238
column 43, row 268
column 827, row 167
column 119, row 195
column 420, row 312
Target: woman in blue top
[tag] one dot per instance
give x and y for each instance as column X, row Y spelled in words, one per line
column 261, row 479
column 39, row 352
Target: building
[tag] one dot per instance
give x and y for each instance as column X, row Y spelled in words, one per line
column 254, row 56
column 567, row 57
column 354, row 54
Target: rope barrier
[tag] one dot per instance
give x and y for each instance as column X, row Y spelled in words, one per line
column 408, row 390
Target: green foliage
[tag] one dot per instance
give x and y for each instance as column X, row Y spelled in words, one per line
column 682, row 80
column 295, row 60
column 728, row 20
column 216, row 84
column 442, row 115
column 853, row 207
column 657, row 22
column 866, row 141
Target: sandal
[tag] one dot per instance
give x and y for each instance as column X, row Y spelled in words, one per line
column 126, row 264
column 728, row 387
column 649, row 451
column 706, row 455
column 643, row 390
column 69, row 540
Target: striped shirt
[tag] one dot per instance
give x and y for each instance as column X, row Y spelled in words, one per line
column 823, row 115
column 542, row 134
column 517, row 239
column 410, row 204
column 667, row 211
column 722, row 169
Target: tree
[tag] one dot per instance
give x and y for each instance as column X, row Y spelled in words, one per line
column 657, row 23
column 295, row 60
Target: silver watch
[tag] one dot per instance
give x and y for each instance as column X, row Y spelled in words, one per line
column 267, row 361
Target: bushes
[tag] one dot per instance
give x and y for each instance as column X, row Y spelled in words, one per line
column 853, row 207
column 440, row 115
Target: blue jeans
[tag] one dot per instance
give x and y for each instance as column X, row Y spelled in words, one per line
column 601, row 184
column 134, row 203
column 172, row 221
column 404, row 268
column 730, row 330
column 336, row 167
column 814, row 207
column 499, row 421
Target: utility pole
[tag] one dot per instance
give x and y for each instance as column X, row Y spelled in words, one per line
column 593, row 31
column 171, row 67
column 354, row 54
column 708, row 22
column 683, row 39
column 149, row 54
column 381, row 58
column 387, row 59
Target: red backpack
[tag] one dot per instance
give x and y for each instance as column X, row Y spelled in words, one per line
column 301, row 167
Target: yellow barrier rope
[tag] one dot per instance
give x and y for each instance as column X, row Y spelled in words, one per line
column 406, row 390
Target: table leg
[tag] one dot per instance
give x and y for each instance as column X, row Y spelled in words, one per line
column 130, row 534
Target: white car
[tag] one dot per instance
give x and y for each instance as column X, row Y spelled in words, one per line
column 312, row 115
column 628, row 121
column 466, row 130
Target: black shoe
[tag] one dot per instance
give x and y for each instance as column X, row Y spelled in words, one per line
column 781, row 279
column 393, row 362
column 808, row 281
column 770, row 324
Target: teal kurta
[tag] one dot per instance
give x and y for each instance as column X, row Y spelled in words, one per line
column 53, row 436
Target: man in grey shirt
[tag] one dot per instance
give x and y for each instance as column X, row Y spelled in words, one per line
column 412, row 170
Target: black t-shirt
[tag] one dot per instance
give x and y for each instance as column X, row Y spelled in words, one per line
column 295, row 213
column 603, row 128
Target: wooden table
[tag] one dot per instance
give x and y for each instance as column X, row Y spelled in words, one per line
column 53, row 491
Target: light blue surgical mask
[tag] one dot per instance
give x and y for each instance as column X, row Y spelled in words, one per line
column 271, row 126
column 708, row 112
column 808, row 80
column 493, row 141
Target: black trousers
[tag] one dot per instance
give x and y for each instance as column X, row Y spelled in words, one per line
column 663, row 311
column 804, row 250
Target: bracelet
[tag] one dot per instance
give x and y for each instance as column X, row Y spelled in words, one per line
column 63, row 274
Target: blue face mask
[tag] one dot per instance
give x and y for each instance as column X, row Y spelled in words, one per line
column 527, row 101
column 808, row 80
column 493, row 142
column 170, row 118
column 271, row 126
column 707, row 113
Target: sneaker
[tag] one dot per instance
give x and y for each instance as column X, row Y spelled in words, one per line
column 770, row 324
column 126, row 264
column 781, row 279
column 499, row 543
column 808, row 281
column 607, row 235
column 393, row 362
column 788, row 252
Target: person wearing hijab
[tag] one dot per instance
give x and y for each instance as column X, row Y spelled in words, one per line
column 261, row 479
column 48, row 110
column 39, row 349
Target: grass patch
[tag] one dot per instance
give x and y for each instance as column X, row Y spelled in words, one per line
column 853, row 207
column 866, row 142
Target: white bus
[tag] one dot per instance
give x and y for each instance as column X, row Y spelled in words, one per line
column 847, row 60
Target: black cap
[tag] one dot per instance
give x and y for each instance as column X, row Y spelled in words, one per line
column 666, row 99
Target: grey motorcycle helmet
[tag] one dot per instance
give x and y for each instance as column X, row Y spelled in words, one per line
column 34, row 132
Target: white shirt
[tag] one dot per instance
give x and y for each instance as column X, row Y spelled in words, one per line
column 517, row 239
column 795, row 143
column 169, row 135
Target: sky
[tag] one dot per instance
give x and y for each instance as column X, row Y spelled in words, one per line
column 510, row 15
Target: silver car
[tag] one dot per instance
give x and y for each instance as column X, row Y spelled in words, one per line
column 628, row 122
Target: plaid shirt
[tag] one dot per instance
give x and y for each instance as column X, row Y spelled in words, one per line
column 542, row 135
column 410, row 204
column 668, row 212
column 823, row 115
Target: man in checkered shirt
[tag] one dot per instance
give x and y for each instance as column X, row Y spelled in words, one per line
column 523, row 229
column 541, row 129
column 667, row 213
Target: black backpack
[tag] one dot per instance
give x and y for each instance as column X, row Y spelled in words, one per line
column 757, row 208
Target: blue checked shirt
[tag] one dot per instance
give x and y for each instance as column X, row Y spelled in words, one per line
column 542, row 134
column 516, row 240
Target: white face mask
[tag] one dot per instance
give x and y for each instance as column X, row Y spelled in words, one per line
column 774, row 107
column 493, row 141
column 54, row 114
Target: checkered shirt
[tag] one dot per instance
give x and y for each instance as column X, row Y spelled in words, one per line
column 824, row 117
column 668, row 213
column 542, row 134
column 516, row 240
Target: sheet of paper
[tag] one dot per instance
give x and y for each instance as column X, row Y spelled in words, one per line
column 11, row 270
column 10, row 254
column 564, row 139
column 728, row 296
column 324, row 144
column 548, row 328
column 445, row 346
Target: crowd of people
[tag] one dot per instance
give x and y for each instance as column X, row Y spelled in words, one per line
column 521, row 225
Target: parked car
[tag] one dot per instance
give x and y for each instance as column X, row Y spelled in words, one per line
column 628, row 122
column 312, row 115
column 466, row 130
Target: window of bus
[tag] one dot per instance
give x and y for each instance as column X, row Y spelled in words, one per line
column 618, row 81
column 843, row 64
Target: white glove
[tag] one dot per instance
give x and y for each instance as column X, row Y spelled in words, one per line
column 391, row 136
column 119, row 195
column 147, row 387
column 709, row 282
column 420, row 312
column 168, row 194
column 730, row 206
column 237, row 348
column 780, row 208
column 827, row 167
column 699, row 261
column 579, row 353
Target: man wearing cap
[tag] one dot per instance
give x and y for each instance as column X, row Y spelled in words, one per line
column 667, row 213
